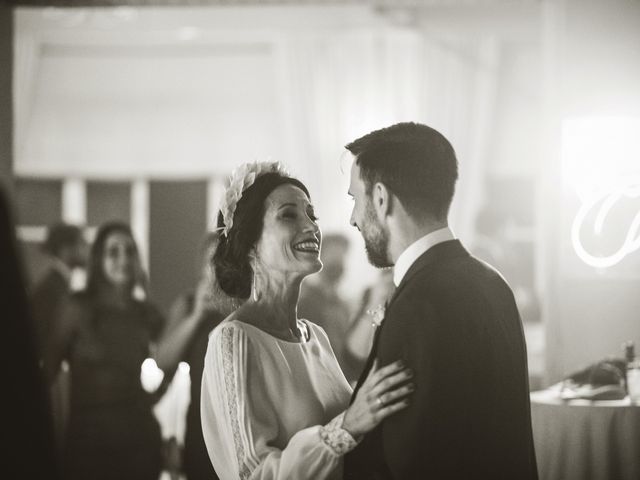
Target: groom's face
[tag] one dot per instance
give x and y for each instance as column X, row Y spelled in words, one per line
column 365, row 219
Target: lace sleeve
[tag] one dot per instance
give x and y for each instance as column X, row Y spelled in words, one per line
column 337, row 438
column 229, row 366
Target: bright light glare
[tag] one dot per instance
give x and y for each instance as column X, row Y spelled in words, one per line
column 599, row 152
column 150, row 375
column 184, row 368
column 601, row 164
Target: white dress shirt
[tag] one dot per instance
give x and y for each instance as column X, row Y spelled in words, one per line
column 416, row 249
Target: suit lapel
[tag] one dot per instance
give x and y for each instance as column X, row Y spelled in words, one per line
column 368, row 364
column 448, row 249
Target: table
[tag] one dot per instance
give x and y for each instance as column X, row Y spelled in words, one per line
column 585, row 440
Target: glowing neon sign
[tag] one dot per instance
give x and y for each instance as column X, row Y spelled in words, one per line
column 603, row 205
column 601, row 160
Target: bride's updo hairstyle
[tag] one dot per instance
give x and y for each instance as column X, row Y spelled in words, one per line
column 232, row 260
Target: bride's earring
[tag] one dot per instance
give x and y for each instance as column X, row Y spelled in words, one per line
column 254, row 288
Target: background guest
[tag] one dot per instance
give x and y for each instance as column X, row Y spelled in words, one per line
column 359, row 337
column 106, row 333
column 322, row 302
column 193, row 315
column 65, row 249
column 494, row 245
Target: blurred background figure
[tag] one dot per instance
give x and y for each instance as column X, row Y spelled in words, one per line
column 65, row 249
column 496, row 244
column 192, row 316
column 105, row 332
column 322, row 301
column 26, row 420
column 359, row 337
column 489, row 240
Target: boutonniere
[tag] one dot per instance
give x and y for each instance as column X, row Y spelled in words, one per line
column 377, row 315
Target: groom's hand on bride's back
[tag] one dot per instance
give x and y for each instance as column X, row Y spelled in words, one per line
column 384, row 392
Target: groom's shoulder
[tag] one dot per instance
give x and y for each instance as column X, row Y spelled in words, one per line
column 456, row 276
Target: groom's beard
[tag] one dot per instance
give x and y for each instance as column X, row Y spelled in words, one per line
column 376, row 240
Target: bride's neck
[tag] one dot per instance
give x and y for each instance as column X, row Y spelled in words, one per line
column 275, row 305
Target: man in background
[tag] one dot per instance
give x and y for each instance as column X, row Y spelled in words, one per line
column 66, row 250
column 322, row 302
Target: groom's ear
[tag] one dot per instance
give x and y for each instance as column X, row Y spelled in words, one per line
column 382, row 199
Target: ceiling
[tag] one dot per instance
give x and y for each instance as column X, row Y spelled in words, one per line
column 187, row 3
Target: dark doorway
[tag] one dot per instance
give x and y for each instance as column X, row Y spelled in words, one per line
column 177, row 223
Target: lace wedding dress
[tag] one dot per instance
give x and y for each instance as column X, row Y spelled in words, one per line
column 272, row 409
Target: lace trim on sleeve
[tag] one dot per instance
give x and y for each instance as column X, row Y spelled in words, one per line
column 336, row 438
column 232, row 400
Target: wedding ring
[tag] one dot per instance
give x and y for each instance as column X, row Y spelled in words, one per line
column 379, row 400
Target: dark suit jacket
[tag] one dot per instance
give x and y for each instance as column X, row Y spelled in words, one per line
column 454, row 321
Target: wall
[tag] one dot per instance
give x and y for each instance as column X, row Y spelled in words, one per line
column 6, row 102
column 592, row 65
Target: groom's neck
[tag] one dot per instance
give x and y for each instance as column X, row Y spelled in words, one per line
column 405, row 230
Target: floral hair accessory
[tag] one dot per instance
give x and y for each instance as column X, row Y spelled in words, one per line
column 242, row 178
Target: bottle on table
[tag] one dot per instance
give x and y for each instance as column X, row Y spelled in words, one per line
column 632, row 373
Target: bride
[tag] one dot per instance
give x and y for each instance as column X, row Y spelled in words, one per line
column 275, row 404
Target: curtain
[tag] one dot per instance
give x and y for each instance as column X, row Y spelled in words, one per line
column 346, row 84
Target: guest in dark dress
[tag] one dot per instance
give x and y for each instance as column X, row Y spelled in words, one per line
column 193, row 315
column 105, row 333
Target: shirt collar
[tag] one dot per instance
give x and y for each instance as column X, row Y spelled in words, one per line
column 416, row 249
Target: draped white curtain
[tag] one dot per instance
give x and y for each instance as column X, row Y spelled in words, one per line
column 346, row 84
column 335, row 82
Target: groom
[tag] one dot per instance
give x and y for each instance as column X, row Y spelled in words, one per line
column 452, row 320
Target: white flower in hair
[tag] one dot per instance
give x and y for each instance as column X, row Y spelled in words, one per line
column 242, row 178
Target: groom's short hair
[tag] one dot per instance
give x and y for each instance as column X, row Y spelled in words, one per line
column 414, row 161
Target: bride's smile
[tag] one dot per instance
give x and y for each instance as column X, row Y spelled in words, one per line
column 312, row 246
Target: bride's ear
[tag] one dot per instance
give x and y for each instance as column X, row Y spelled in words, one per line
column 382, row 199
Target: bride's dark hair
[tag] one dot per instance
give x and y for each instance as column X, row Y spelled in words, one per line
column 231, row 259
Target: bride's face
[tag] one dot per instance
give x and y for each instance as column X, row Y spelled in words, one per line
column 290, row 240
